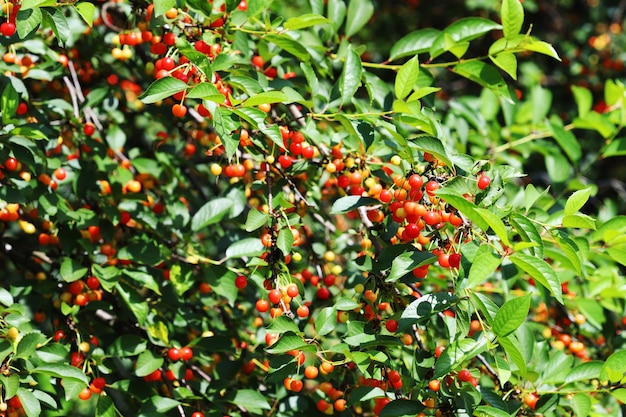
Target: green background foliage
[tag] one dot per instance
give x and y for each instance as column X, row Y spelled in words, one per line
column 439, row 188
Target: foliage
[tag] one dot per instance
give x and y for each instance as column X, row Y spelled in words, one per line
column 229, row 208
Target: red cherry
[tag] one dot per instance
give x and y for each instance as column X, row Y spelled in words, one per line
column 173, row 354
column 483, row 181
column 262, row 306
column 391, row 326
column 241, row 282
column 11, row 164
column 465, row 375
column 274, row 296
column 8, row 28
column 186, row 353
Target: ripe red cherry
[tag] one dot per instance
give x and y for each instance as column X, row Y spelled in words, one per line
column 292, row 290
column 197, row 414
column 391, row 326
column 11, row 164
column 416, row 181
column 465, row 375
column 241, row 282
column 89, row 129
column 173, row 354
column 323, row 293
column 302, row 311
column 186, row 353
column 60, row 173
column 431, row 187
column 285, row 161
column 483, row 181
column 8, row 28
column 274, row 296
column 262, row 306
column 178, row 110
column 93, row 283
column 257, row 61
column 531, row 400
column 454, row 260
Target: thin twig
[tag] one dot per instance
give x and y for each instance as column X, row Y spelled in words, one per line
column 73, row 95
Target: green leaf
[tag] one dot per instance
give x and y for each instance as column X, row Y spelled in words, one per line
column 305, row 20
column 407, row 77
column 527, row 232
column 578, row 221
column 541, row 47
column 10, row 101
column 620, row 394
column 247, row 247
column 10, row 385
column 616, row 147
column 507, row 62
column 162, row 6
column 59, row 370
column 485, row 75
column 28, row 20
column 30, row 403
column 495, row 223
column 462, row 30
column 288, row 44
column 359, row 13
column 584, row 100
column 457, row 353
column 402, row 408
column 211, row 213
column 256, row 219
column 135, row 302
column 581, row 403
column 289, row 341
column 511, row 315
column 266, row 97
column 206, row 91
column 28, row 345
column 482, row 267
column 5, row 297
column 576, row 201
column 105, row 407
column 326, row 321
column 57, row 20
column 29, row 4
column 350, row 79
column 407, row 261
column 426, row 306
column 566, row 139
column 433, row 146
column 614, row 369
column 116, row 137
column 257, row 119
column 352, row 202
column 466, row 208
column 512, row 348
column 585, row 372
column 486, row 411
column 541, row 271
column 127, row 345
column 512, row 14
column 284, row 240
column 147, row 363
column 249, row 400
column 283, row 324
column 86, row 10
column 414, row 43
column 162, row 88
column 72, row 270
